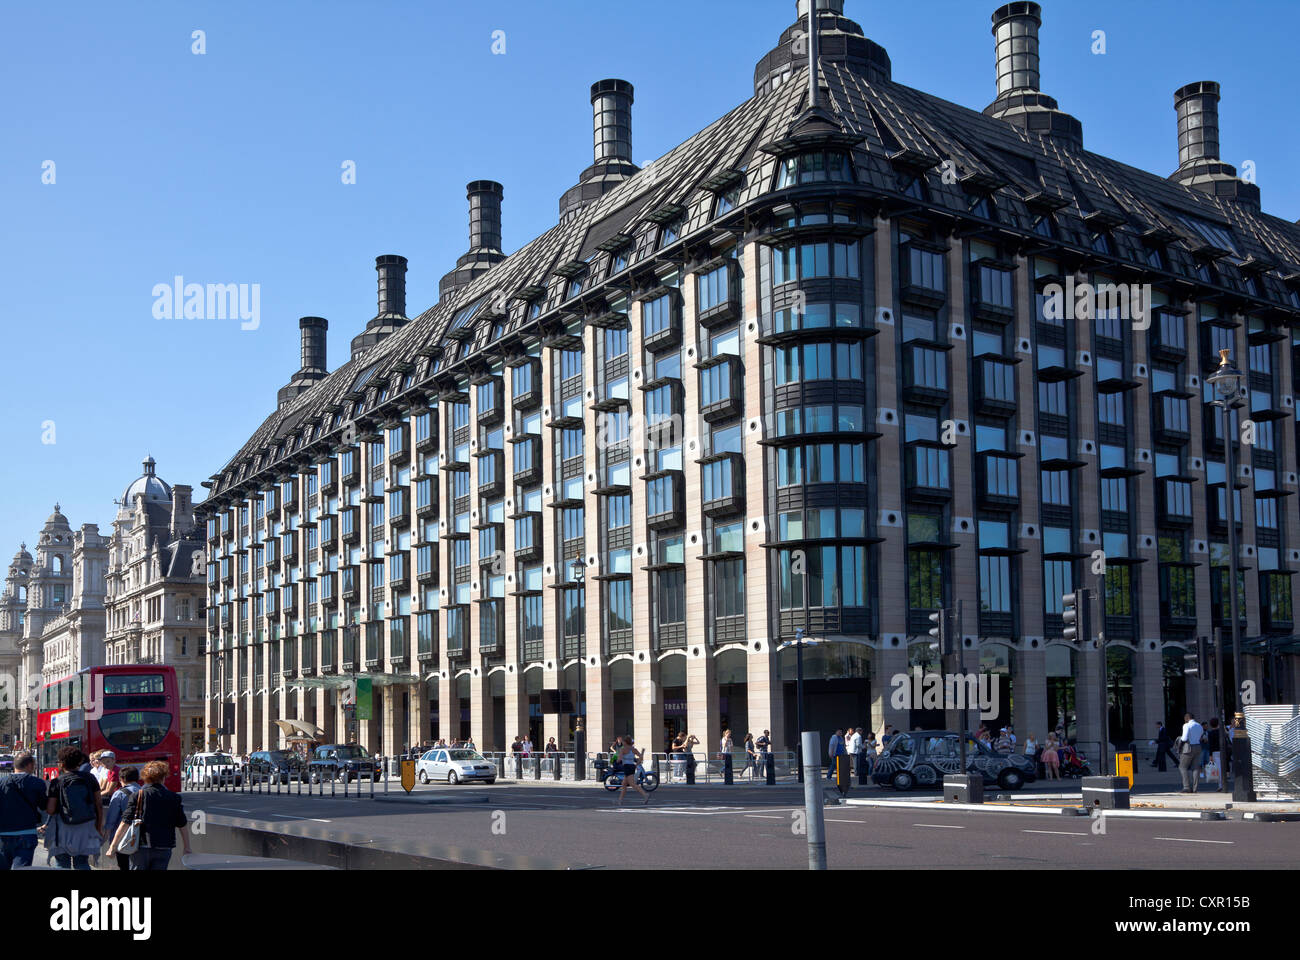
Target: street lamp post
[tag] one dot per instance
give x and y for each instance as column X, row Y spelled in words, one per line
column 1227, row 386
column 580, row 721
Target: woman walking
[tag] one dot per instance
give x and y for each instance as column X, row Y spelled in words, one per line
column 161, row 813
column 751, row 757
column 1052, row 758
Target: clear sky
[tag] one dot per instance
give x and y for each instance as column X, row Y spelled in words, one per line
column 226, row 167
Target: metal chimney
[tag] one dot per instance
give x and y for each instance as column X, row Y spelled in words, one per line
column 1197, row 105
column 392, row 285
column 313, row 344
column 485, row 214
column 611, row 106
column 1015, row 29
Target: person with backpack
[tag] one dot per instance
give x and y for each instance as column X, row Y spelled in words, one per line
column 117, row 811
column 76, row 813
column 22, row 811
column 161, row 814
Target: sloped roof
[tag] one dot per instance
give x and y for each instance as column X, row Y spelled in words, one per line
column 890, row 118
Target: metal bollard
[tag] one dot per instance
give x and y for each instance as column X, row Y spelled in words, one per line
column 770, row 763
column 557, row 763
column 690, row 768
column 372, row 779
column 537, row 768
column 727, row 777
column 334, row 785
column 300, row 783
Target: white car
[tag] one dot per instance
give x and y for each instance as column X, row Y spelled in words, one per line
column 212, row 770
column 455, row 765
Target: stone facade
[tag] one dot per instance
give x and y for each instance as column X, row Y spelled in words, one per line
column 805, row 372
column 155, row 591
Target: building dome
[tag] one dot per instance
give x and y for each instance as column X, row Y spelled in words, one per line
column 154, row 489
column 56, row 520
column 22, row 556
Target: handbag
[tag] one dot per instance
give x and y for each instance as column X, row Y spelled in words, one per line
column 130, row 841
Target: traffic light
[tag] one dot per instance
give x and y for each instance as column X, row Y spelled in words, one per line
column 1070, row 614
column 941, row 632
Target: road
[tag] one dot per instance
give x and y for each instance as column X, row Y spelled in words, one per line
column 756, row 828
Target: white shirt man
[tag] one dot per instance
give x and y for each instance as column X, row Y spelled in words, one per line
column 1189, row 754
column 854, row 743
column 1192, row 733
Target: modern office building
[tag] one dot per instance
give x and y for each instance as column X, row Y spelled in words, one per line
column 156, row 592
column 828, row 365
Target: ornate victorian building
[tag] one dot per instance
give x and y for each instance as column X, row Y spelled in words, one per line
column 155, row 590
column 811, row 370
column 13, row 612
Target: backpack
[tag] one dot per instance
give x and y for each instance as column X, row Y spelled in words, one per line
column 76, row 801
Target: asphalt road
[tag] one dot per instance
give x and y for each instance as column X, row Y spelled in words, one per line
column 748, row 828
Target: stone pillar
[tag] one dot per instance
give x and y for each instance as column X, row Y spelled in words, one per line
column 448, row 708
column 1149, row 691
column 648, row 702
column 1029, row 686
column 480, row 709
column 885, row 663
column 1087, row 702
column 702, row 717
column 516, row 705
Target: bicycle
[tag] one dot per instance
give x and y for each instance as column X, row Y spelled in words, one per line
column 648, row 779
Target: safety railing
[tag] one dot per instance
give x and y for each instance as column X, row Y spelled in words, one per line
column 320, row 780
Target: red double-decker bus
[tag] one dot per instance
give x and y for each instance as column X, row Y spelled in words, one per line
column 130, row 709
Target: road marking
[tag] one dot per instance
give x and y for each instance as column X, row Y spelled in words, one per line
column 236, row 809
column 764, row 816
column 833, row 820
column 939, row 826
column 1058, row 833
column 1189, row 840
column 286, row 816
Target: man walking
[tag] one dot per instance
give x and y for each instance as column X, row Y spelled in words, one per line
column 22, row 798
column 853, row 745
column 764, row 747
column 834, row 748
column 1189, row 753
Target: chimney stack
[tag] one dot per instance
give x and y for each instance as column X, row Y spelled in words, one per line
column 611, row 102
column 313, row 344
column 1199, row 166
column 611, row 105
column 1015, row 29
column 1197, row 105
column 311, row 331
column 392, row 285
column 823, row 6
column 484, row 237
column 1019, row 100
column 182, row 511
column 485, row 215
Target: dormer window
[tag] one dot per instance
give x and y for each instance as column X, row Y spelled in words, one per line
column 820, row 166
column 1156, row 258
column 573, row 288
column 618, row 260
column 981, row 206
column 1101, row 243
column 1044, row 226
column 913, row 187
column 534, row 310
column 1204, row 272
column 670, row 232
column 727, row 201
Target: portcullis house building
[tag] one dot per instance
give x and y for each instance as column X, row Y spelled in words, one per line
column 824, row 366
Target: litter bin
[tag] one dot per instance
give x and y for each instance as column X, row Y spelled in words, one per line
column 1108, row 793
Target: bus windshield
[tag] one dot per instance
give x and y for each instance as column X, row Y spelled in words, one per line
column 134, row 730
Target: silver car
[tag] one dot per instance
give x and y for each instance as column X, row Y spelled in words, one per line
column 455, row 765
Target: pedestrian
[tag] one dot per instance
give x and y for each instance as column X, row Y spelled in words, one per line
column 626, row 761
column 886, row 735
column 552, row 746
column 469, row 744
column 76, row 813
column 1210, row 741
column 116, row 811
column 834, row 748
column 1011, row 735
column 688, row 740
column 109, row 774
column 1052, row 758
column 161, row 813
column 764, row 747
column 22, row 812
column 528, row 745
column 1031, row 754
column 751, row 757
column 1164, row 748
column 1189, row 752
column 1003, row 743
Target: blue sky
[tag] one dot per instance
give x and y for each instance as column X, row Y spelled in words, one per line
column 225, row 168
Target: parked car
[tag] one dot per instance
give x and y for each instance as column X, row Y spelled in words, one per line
column 922, row 757
column 276, row 766
column 212, row 770
column 455, row 766
column 6, row 763
column 341, row 761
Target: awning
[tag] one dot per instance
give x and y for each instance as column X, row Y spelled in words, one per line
column 296, row 728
